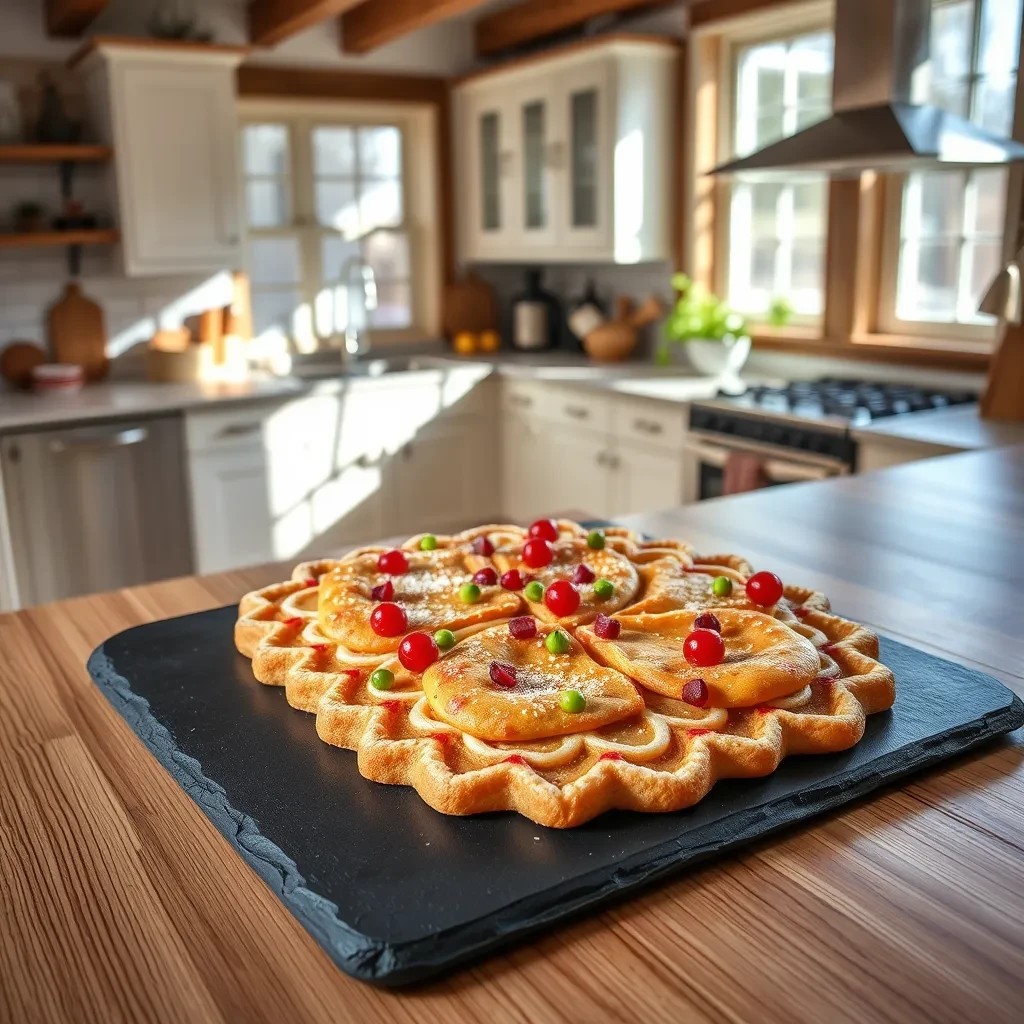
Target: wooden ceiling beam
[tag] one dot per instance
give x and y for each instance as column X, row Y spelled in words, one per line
column 272, row 21
column 376, row 22
column 702, row 12
column 536, row 19
column 71, row 17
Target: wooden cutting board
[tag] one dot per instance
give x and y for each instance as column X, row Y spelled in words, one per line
column 78, row 334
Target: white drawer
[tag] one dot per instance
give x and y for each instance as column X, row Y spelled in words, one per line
column 222, row 428
column 648, row 422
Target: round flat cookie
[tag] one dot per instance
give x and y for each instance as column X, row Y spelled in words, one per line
column 764, row 658
column 670, row 585
column 499, row 688
column 428, row 593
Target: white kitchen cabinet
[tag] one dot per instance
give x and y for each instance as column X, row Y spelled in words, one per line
column 169, row 112
column 645, row 479
column 569, row 156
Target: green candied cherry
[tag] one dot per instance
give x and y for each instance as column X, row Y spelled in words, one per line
column 603, row 588
column 572, row 701
column 382, row 679
column 445, row 639
column 469, row 593
column 534, row 591
column 557, row 641
column 595, row 540
column 721, row 586
column 428, row 542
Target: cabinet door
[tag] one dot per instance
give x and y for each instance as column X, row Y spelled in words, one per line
column 177, row 167
column 646, row 479
column 583, row 157
column 535, row 166
column 573, row 470
column 488, row 157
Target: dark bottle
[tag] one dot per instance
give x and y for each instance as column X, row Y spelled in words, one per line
column 536, row 315
column 586, row 312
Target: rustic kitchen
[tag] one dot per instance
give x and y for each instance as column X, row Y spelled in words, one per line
column 280, row 279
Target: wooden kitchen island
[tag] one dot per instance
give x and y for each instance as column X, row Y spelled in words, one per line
column 121, row 902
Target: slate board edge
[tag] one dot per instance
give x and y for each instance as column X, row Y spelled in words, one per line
column 370, row 960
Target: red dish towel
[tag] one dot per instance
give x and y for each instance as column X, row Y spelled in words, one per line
column 743, row 472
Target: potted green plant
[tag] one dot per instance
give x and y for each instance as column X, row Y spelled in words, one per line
column 715, row 335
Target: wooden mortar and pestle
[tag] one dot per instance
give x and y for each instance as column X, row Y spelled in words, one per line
column 615, row 339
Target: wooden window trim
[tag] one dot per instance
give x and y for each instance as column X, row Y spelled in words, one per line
column 850, row 325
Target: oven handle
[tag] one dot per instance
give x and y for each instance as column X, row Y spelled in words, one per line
column 780, row 470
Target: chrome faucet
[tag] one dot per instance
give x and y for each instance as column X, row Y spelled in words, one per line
column 360, row 286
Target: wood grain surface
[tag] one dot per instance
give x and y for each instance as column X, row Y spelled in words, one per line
column 121, row 902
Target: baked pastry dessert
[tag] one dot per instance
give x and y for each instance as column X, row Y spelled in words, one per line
column 561, row 672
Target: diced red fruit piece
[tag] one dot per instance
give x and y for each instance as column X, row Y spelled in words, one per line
column 607, row 628
column 764, row 588
column 546, row 529
column 610, row 755
column 704, row 647
column 697, row 732
column 523, row 627
column 388, row 619
column 562, row 598
column 442, row 737
column 418, row 651
column 393, row 562
column 537, row 553
column 801, row 611
column 294, row 623
column 391, row 706
column 383, row 591
column 513, row 580
column 312, row 581
column 354, row 674
column 583, row 574
column 707, row 620
column 483, row 546
column 514, row 759
column 502, row 674
column 320, row 648
column 485, row 577
column 695, row 692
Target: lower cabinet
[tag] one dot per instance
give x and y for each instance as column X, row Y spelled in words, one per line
column 645, row 479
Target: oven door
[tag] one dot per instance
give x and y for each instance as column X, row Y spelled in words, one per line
column 706, row 459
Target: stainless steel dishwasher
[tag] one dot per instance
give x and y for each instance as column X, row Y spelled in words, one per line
column 95, row 508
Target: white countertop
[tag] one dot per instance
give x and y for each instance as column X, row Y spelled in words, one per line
column 959, row 428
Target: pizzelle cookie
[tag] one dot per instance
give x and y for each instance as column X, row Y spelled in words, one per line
column 561, row 672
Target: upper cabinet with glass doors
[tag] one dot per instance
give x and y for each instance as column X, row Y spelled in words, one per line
column 569, row 157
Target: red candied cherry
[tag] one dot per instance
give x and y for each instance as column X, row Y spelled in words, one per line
column 388, row 619
column 513, row 580
column 562, row 598
column 523, row 627
column 483, row 546
column 383, row 591
column 707, row 620
column 607, row 628
column 764, row 588
column 485, row 577
column 546, row 529
column 704, row 647
column 503, row 674
column 393, row 562
column 537, row 553
column 695, row 692
column 583, row 574
column 418, row 651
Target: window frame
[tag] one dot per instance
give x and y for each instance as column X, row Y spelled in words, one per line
column 421, row 215
column 857, row 228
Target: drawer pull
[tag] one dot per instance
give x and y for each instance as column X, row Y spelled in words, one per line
column 648, row 426
column 577, row 412
column 238, row 430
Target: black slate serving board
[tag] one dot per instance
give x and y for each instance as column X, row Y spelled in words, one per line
column 396, row 892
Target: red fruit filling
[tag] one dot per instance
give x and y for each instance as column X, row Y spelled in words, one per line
column 393, row 562
column 418, row 651
column 695, row 692
column 523, row 627
column 707, row 620
column 485, row 577
column 607, row 628
column 483, row 546
column 764, row 588
column 388, row 619
column 546, row 529
column 383, row 591
column 562, row 598
column 583, row 574
column 704, row 647
column 502, row 674
column 513, row 580
column 537, row 553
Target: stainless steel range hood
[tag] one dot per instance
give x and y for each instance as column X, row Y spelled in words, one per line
column 879, row 47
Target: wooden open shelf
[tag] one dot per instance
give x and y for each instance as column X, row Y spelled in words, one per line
column 85, row 236
column 47, row 153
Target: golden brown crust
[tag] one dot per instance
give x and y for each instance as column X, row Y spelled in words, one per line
column 664, row 758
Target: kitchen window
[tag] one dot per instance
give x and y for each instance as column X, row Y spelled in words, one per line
column 776, row 229
column 327, row 193
column 944, row 229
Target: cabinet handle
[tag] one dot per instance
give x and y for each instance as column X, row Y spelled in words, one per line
column 523, row 401
column 238, row 430
column 577, row 412
column 648, row 426
column 122, row 439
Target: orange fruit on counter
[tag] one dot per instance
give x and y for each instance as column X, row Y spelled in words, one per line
column 490, row 341
column 465, row 343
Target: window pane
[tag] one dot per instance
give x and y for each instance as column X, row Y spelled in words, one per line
column 265, row 149
column 986, row 202
column 769, row 128
column 336, row 206
column 999, row 36
column 809, row 199
column 808, row 261
column 533, row 165
column 267, row 203
column 387, row 252
column 380, row 205
column 490, row 213
column 583, row 156
column 380, row 152
column 933, row 204
column 335, row 252
column 981, row 264
column 993, row 104
column 274, row 261
column 394, row 306
column 927, row 283
column 275, row 310
column 334, row 151
column 764, row 204
column 952, row 30
column 811, row 60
